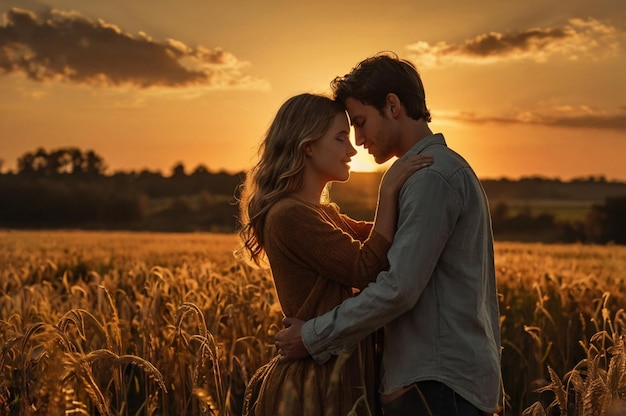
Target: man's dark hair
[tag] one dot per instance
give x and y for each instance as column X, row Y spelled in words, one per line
column 375, row 77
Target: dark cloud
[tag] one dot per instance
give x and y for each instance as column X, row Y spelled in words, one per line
column 594, row 121
column 66, row 46
column 575, row 40
column 503, row 44
column 562, row 117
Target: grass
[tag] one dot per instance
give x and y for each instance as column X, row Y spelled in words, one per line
column 170, row 324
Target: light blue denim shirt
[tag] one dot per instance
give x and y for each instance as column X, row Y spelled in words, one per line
column 438, row 299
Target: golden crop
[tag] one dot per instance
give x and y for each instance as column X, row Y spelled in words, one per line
column 171, row 324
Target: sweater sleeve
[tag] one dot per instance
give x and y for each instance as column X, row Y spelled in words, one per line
column 309, row 238
column 361, row 228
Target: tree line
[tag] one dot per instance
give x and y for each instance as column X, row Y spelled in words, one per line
column 69, row 188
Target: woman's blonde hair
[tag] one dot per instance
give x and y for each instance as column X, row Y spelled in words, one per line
column 300, row 120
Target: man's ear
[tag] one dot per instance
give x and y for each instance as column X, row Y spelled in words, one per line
column 393, row 102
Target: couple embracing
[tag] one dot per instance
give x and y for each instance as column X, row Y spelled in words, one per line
column 398, row 316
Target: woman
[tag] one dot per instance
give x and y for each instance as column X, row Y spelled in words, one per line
column 316, row 255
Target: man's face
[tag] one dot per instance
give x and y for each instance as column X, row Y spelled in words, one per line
column 371, row 130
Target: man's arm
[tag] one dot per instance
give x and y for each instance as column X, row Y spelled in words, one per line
column 427, row 214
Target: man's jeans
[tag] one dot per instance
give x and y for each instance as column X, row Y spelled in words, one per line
column 430, row 398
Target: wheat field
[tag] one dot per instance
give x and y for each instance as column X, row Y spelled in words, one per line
column 117, row 323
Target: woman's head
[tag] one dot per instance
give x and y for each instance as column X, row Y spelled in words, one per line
column 301, row 120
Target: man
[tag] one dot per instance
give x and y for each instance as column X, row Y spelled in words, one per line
column 438, row 300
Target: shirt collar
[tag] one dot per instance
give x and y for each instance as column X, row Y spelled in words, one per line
column 427, row 141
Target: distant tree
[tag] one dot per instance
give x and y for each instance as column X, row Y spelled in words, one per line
column 178, row 170
column 201, row 170
column 68, row 160
column 590, row 179
column 31, row 162
column 79, row 163
column 148, row 174
column 572, row 232
column 93, row 163
column 500, row 212
column 607, row 223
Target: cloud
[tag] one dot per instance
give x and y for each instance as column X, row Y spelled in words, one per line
column 589, row 39
column 66, row 46
column 565, row 116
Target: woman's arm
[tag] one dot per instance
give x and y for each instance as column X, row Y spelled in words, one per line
column 394, row 178
column 388, row 190
column 306, row 236
column 362, row 229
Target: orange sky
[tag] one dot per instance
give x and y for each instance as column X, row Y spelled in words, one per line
column 519, row 88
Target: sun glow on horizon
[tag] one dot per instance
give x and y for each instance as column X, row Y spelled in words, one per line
column 364, row 162
column 360, row 163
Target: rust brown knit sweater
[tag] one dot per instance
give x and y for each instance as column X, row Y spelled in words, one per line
column 317, row 256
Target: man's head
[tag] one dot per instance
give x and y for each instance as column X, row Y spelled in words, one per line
column 379, row 93
column 373, row 78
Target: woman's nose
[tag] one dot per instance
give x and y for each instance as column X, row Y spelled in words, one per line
column 351, row 150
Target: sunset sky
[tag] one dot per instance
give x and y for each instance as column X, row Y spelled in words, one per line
column 520, row 88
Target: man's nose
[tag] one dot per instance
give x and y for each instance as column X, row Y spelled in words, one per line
column 359, row 140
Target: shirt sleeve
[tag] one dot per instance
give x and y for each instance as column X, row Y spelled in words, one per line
column 303, row 233
column 428, row 209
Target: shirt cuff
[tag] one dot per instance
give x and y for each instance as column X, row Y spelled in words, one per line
column 308, row 339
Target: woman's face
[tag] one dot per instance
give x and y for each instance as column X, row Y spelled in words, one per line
column 329, row 156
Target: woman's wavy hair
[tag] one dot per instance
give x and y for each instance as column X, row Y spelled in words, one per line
column 300, row 120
